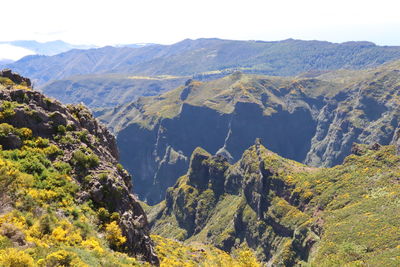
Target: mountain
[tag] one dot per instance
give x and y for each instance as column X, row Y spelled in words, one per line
column 289, row 213
column 66, row 201
column 137, row 45
column 109, row 90
column 64, row 198
column 313, row 118
column 207, row 57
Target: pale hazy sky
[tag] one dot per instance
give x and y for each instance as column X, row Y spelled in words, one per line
column 167, row 21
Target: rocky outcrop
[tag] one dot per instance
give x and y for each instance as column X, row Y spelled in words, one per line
column 228, row 205
column 367, row 113
column 15, row 77
column 91, row 151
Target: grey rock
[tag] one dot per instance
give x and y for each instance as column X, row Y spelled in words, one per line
column 15, row 77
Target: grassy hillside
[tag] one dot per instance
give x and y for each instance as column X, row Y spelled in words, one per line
column 266, row 91
column 290, row 213
column 222, row 95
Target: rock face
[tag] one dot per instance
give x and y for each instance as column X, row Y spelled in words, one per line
column 213, row 131
column 90, row 148
column 14, row 77
column 287, row 212
column 310, row 120
column 230, row 204
column 366, row 113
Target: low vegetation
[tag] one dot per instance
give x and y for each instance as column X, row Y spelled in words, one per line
column 45, row 217
column 174, row 253
column 287, row 212
column 42, row 222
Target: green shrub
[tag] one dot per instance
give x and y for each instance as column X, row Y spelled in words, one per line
column 103, row 215
column 75, row 213
column 42, row 142
column 7, row 109
column 83, row 136
column 62, row 167
column 6, row 81
column 32, row 165
column 79, row 158
column 84, row 227
column 6, row 129
column 48, row 101
column 61, row 129
column 88, row 178
column 103, row 177
column 46, row 224
column 66, row 139
column 70, row 127
column 120, row 168
column 5, row 242
column 115, row 216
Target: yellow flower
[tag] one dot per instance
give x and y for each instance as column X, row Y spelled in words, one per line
column 114, row 234
column 59, row 234
column 93, row 244
column 15, row 258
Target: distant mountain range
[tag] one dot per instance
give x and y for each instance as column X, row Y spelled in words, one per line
column 207, row 57
column 138, row 45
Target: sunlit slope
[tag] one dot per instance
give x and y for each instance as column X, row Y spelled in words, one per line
column 288, row 212
column 312, row 118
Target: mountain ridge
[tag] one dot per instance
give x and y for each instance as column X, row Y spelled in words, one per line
column 329, row 112
column 190, row 57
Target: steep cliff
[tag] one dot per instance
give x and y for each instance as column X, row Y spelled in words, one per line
column 367, row 112
column 287, row 212
column 309, row 119
column 64, row 197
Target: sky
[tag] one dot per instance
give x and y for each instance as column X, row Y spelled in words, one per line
column 11, row 52
column 168, row 21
